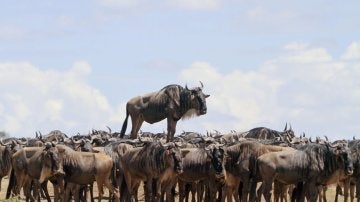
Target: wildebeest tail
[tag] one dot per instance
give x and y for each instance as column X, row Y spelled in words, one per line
column 11, row 185
column 124, row 126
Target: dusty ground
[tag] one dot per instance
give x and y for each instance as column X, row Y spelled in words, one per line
column 4, row 183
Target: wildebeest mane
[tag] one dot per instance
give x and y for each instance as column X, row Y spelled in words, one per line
column 318, row 158
column 154, row 156
column 160, row 99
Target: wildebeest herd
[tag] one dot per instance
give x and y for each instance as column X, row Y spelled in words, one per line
column 257, row 164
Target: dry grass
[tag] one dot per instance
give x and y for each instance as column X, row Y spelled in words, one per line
column 330, row 193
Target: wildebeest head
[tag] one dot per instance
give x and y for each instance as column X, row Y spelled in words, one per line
column 52, row 164
column 217, row 153
column 198, row 99
column 175, row 153
column 343, row 152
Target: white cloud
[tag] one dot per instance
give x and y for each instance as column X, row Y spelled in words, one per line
column 305, row 85
column 34, row 99
column 352, row 52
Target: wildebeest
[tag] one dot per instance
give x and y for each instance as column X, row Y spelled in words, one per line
column 353, row 181
column 5, row 161
column 311, row 164
column 27, row 166
column 172, row 102
column 267, row 133
column 241, row 164
column 78, row 167
column 203, row 164
column 153, row 161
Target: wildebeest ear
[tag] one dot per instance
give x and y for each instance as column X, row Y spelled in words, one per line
column 184, row 152
column 206, row 96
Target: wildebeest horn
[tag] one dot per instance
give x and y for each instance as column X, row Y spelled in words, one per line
column 4, row 144
column 22, row 142
column 109, row 129
column 285, row 127
column 186, row 87
column 168, row 145
column 201, row 85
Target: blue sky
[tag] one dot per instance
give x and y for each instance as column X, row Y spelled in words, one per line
column 72, row 65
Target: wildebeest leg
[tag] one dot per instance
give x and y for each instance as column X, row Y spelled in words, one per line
column 253, row 185
column 56, row 193
column 311, row 191
column 284, row 193
column 346, row 189
column 212, row 189
column 171, row 127
column 105, row 180
column 181, row 186
column 194, row 186
column 245, row 187
column 129, row 185
column 352, row 191
column 136, row 121
column 45, row 190
column 148, row 189
column 358, row 189
column 277, row 190
column 267, row 186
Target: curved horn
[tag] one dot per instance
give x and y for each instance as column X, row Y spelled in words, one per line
column 285, row 127
column 201, row 85
column 109, row 129
column 186, row 87
column 22, row 142
column 4, row 144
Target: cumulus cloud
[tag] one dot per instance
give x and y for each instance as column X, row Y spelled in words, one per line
column 34, row 99
column 352, row 52
column 305, row 85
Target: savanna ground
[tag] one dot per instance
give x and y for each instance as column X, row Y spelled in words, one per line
column 4, row 183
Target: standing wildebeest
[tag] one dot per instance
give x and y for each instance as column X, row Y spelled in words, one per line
column 173, row 102
column 78, row 167
column 311, row 164
column 5, row 161
column 153, row 161
column 27, row 166
column 240, row 166
column 202, row 164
